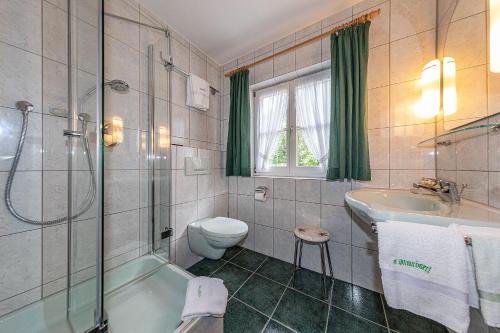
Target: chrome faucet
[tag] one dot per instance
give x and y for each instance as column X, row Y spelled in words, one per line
column 447, row 190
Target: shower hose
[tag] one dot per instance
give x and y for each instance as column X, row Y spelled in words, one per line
column 91, row 192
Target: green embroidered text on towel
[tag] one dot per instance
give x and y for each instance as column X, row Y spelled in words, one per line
column 413, row 264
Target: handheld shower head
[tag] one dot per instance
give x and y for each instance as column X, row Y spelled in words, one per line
column 118, row 85
column 24, row 106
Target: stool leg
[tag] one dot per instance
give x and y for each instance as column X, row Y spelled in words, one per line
column 295, row 254
column 300, row 253
column 329, row 260
column 323, row 271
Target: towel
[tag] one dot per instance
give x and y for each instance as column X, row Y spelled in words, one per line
column 198, row 93
column 204, row 297
column 424, row 271
column 486, row 255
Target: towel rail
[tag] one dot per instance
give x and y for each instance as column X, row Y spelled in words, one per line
column 467, row 239
column 169, row 65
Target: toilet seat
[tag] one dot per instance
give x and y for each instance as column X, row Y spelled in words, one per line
column 223, row 227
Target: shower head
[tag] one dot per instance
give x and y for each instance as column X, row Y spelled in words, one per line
column 24, row 106
column 118, row 85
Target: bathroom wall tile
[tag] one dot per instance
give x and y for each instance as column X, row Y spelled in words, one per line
column 494, row 189
column 233, row 206
column 54, row 249
column 180, row 55
column 379, row 179
column 126, row 154
column 264, row 240
column 409, row 55
column 182, row 153
column 404, row 179
column 197, row 126
column 493, row 93
column 332, row 193
column 213, row 76
column 283, row 245
column 121, row 233
column 246, row 185
column 20, row 300
column 220, row 182
column 365, row 269
column 249, row 241
column 246, row 208
column 20, row 77
column 53, row 287
column 178, row 89
column 183, row 255
column 473, row 152
column 185, row 214
column 205, row 186
column 325, row 48
column 55, row 194
column 226, row 101
column 148, row 36
column 311, row 257
column 337, row 221
column 126, row 107
column 309, row 54
column 221, row 205
column 284, row 214
column 405, row 109
column 180, row 121
column 11, row 123
column 121, row 61
column 122, row 30
column 412, row 17
column 378, row 140
column 309, row 190
column 378, row 106
column 362, row 235
column 446, row 158
column 55, row 34
column 233, row 184
column 197, row 65
column 468, row 8
column 186, row 187
column 284, row 188
column 122, row 190
column 55, row 91
column 20, row 23
column 341, row 261
column 265, row 70
column 404, row 152
column 378, row 67
column 215, row 108
column 267, row 182
column 26, row 195
column 379, row 28
column 264, row 212
column 466, row 41
column 307, row 213
column 86, row 42
column 336, row 18
column 24, row 262
column 365, row 5
column 477, row 182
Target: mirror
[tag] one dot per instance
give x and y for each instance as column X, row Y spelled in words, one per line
column 463, row 35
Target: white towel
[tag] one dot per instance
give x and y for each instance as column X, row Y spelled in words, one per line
column 424, row 271
column 198, row 93
column 204, row 297
column 486, row 254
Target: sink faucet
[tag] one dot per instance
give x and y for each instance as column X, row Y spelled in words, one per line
column 447, row 190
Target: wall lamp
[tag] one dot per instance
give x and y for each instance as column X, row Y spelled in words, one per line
column 113, row 132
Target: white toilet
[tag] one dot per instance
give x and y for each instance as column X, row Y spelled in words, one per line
column 212, row 236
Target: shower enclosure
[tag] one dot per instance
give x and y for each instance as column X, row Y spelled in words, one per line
column 84, row 169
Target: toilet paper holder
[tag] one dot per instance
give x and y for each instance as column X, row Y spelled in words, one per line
column 261, row 193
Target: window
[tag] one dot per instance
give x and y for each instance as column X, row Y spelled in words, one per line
column 292, row 122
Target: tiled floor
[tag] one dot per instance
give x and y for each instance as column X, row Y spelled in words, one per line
column 263, row 297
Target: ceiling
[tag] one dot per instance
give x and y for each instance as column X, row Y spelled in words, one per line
column 227, row 29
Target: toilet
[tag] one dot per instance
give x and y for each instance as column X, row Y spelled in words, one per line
column 211, row 237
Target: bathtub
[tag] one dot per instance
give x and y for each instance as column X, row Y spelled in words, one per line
column 144, row 295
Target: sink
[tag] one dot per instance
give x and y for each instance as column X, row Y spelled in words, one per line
column 378, row 205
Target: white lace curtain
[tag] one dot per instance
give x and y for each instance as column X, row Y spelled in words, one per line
column 312, row 98
column 273, row 106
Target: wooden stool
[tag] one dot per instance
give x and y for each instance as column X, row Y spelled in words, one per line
column 312, row 234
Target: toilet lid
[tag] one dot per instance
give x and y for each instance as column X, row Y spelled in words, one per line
column 224, row 227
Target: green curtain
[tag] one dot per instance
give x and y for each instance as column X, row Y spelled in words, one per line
column 238, row 137
column 348, row 155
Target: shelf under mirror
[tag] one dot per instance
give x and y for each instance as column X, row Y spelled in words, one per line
column 460, row 134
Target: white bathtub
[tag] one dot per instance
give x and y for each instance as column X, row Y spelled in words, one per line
column 144, row 295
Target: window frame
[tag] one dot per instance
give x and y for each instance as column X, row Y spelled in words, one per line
column 291, row 170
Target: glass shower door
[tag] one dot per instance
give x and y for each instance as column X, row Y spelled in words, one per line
column 84, row 300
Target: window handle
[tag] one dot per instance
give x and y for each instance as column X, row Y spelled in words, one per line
column 292, row 128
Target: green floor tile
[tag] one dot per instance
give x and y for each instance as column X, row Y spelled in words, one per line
column 275, row 327
column 261, row 293
column 233, row 276
column 302, row 313
column 311, row 283
column 205, row 267
column 249, row 259
column 407, row 322
column 239, row 318
column 276, row 270
column 231, row 252
column 357, row 300
column 341, row 321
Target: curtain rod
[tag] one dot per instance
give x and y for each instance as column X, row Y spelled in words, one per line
column 359, row 20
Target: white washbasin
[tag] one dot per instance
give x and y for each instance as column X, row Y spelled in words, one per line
column 377, row 205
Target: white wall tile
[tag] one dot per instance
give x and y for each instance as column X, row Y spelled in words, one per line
column 264, row 239
column 307, row 213
column 246, row 208
column 284, row 188
column 264, row 212
column 284, row 214
column 308, row 190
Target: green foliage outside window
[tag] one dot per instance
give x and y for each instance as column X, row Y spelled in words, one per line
column 305, row 158
column 280, row 157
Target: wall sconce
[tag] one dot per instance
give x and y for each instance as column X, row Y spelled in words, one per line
column 449, row 86
column 113, row 132
column 163, row 140
column 495, row 36
column 430, row 83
